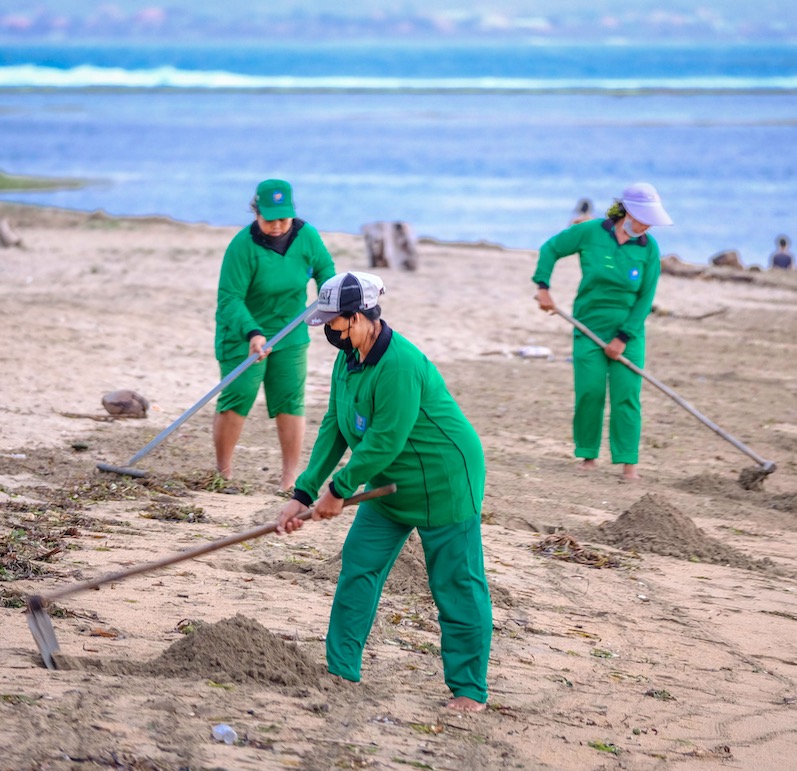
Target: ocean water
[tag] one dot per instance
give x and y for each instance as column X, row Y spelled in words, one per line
column 466, row 142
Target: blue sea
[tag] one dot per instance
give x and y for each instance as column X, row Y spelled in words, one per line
column 468, row 141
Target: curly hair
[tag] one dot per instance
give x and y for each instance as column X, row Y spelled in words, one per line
column 616, row 211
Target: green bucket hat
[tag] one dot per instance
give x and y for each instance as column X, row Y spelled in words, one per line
column 274, row 199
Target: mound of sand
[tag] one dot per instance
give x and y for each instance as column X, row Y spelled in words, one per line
column 237, row 650
column 653, row 524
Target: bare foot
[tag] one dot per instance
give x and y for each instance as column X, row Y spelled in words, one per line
column 464, row 704
column 630, row 473
column 588, row 464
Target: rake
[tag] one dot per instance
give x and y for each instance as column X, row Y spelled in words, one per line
column 128, row 469
column 39, row 621
column 766, row 467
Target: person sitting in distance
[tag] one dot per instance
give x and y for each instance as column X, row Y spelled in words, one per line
column 782, row 258
column 583, row 212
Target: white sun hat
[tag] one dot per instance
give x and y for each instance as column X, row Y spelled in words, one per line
column 643, row 203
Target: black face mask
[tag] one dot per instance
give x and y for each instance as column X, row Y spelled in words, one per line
column 334, row 337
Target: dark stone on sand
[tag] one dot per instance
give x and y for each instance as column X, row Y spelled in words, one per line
column 125, row 403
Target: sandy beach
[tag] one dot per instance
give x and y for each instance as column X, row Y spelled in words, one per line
column 636, row 626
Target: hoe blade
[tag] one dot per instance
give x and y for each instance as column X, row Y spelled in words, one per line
column 42, row 630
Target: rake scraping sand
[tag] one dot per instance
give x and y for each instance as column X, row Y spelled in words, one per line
column 128, row 469
column 39, row 621
column 765, row 467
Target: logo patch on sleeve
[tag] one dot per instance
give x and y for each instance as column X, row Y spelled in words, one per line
column 633, row 274
column 360, row 423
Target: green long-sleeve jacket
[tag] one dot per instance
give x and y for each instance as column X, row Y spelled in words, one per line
column 262, row 290
column 617, row 282
column 396, row 414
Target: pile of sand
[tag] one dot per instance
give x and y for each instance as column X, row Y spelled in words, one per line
column 653, row 524
column 237, row 650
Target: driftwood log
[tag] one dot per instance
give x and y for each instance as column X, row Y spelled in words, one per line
column 9, row 236
column 391, row 245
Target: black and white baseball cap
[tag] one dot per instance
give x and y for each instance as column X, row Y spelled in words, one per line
column 350, row 292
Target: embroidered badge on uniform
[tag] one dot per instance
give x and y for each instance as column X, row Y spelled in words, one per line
column 277, row 197
column 309, row 271
column 360, row 423
column 633, row 274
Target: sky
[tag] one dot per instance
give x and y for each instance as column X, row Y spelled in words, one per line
column 776, row 9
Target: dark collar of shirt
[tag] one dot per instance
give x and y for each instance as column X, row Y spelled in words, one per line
column 278, row 244
column 353, row 364
column 639, row 240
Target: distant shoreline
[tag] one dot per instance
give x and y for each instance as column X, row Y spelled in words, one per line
column 22, row 183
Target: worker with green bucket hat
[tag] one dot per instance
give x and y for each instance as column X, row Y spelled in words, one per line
column 262, row 286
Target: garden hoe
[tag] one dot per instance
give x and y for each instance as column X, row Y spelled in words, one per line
column 39, row 621
column 128, row 470
column 750, row 478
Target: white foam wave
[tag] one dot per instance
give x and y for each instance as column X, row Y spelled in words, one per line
column 86, row 76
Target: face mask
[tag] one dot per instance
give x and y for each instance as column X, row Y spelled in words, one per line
column 335, row 338
column 629, row 229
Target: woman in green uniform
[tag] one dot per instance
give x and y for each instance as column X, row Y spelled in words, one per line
column 620, row 266
column 262, row 287
column 389, row 405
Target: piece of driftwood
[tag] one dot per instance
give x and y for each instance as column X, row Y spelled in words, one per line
column 674, row 266
column 391, row 245
column 9, row 236
column 724, row 266
column 663, row 312
column 99, row 418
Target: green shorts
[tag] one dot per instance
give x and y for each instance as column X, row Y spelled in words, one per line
column 282, row 373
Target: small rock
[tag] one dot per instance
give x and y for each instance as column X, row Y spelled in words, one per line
column 126, row 403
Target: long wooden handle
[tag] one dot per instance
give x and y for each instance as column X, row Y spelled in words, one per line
column 221, row 543
column 767, row 465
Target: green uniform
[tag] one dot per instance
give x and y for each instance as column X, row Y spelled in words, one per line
column 395, row 414
column 260, row 291
column 614, row 298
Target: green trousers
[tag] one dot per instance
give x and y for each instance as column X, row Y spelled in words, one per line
column 455, row 565
column 591, row 369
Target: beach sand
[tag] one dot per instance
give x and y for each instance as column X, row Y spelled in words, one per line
column 635, row 625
